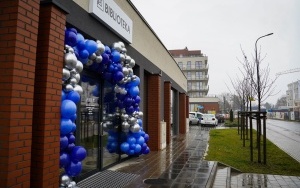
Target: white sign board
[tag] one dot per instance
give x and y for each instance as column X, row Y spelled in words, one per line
column 109, row 13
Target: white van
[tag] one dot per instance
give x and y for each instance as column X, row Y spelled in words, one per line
column 197, row 114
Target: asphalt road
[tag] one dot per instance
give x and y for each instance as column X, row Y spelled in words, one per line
column 286, row 135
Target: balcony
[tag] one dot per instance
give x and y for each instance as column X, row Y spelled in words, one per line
column 197, row 78
column 202, row 89
column 193, row 68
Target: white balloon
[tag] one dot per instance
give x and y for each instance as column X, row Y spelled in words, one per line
column 122, row 57
column 98, row 59
column 69, row 88
column 117, row 46
column 122, row 45
column 132, row 63
column 100, row 48
column 77, row 77
column 73, row 81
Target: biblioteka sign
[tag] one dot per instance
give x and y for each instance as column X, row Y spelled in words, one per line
column 109, row 13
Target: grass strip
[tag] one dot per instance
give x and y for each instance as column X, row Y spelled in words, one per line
column 226, row 147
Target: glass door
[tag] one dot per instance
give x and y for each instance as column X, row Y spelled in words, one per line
column 89, row 125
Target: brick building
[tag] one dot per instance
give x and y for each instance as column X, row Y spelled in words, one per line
column 32, row 61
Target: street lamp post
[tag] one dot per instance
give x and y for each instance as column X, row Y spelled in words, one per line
column 257, row 69
column 259, row 99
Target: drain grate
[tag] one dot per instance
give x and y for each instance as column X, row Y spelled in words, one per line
column 107, row 178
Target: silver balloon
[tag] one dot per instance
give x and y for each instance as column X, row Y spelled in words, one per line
column 110, row 116
column 98, row 59
column 104, row 127
column 125, row 71
column 123, row 91
column 70, row 60
column 132, row 120
column 130, row 71
column 89, row 62
column 125, row 125
column 135, row 128
column 123, row 111
column 71, row 50
column 77, row 77
column 132, row 63
column 127, row 59
column 117, row 89
column 117, row 46
column 65, row 180
column 122, row 57
column 121, row 44
column 66, row 74
column 141, row 114
column 124, row 117
column 124, row 50
column 100, row 48
column 93, row 56
column 73, row 81
column 69, row 88
column 78, row 88
column 79, row 66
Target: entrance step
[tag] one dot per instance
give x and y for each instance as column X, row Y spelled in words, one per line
column 222, row 178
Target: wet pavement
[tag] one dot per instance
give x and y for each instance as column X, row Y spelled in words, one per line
column 182, row 164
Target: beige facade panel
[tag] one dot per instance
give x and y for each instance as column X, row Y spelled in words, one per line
column 147, row 43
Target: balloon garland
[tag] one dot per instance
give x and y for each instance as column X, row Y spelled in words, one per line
column 122, row 118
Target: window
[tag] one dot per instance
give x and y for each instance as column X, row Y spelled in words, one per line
column 180, row 65
column 197, row 65
column 198, row 75
column 189, row 86
column 188, row 65
column 188, row 75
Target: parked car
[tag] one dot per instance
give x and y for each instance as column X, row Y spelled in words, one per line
column 197, row 114
column 221, row 118
column 209, row 119
column 193, row 120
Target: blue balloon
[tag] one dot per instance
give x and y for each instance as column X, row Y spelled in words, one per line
column 135, row 82
column 78, row 154
column 131, row 140
column 111, row 139
column 63, row 142
column 83, row 54
column 140, row 122
column 80, row 41
column 144, row 146
column 132, row 146
column 129, row 110
column 134, row 91
column 68, row 108
column 63, row 95
column 73, row 127
column 66, row 126
column 130, row 152
column 115, row 56
column 73, row 118
column 137, row 149
column 70, row 147
column 140, row 140
column 64, row 159
column 73, row 30
column 74, row 96
column 73, row 169
column 124, row 147
column 105, row 58
column 91, row 46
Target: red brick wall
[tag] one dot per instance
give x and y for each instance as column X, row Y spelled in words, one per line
column 18, row 36
column 182, row 113
column 46, row 118
column 153, row 105
column 210, row 106
column 167, row 109
column 187, row 106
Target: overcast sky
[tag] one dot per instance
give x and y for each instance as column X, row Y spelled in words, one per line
column 220, row 28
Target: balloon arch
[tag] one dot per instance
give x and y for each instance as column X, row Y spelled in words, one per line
column 114, row 66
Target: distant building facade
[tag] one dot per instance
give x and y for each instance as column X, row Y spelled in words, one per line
column 195, row 67
column 293, row 99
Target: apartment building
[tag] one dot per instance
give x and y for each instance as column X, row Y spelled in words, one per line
column 194, row 65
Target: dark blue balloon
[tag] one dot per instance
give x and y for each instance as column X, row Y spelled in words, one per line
column 73, row 169
column 147, row 150
column 64, row 159
column 105, row 58
column 73, row 118
column 73, row 30
column 107, row 50
column 118, row 76
column 70, row 38
column 137, row 99
column 63, row 142
column 66, row 126
column 71, row 139
column 70, row 147
column 78, row 154
column 74, row 96
column 146, row 137
column 129, row 110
